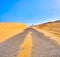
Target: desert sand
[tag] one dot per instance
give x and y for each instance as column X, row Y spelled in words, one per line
column 7, row 30
column 51, row 29
column 27, row 41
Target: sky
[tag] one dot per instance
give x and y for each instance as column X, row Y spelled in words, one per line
column 29, row 11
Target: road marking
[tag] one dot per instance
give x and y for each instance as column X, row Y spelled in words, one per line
column 26, row 47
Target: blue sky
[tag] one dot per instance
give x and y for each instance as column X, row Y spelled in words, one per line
column 29, row 11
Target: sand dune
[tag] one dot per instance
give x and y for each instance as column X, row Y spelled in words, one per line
column 51, row 29
column 8, row 30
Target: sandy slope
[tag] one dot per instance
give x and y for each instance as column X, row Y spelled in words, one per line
column 8, row 30
column 51, row 29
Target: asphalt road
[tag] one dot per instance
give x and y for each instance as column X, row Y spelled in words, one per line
column 42, row 46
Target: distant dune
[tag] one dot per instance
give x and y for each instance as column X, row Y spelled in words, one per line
column 8, row 30
column 52, row 29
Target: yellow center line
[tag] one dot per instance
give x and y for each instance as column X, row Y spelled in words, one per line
column 26, row 47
